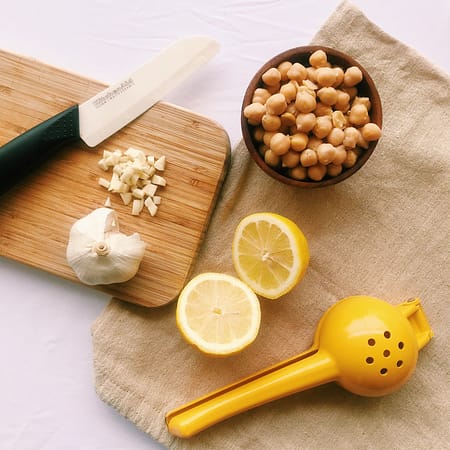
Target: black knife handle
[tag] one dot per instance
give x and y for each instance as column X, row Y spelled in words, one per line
column 21, row 155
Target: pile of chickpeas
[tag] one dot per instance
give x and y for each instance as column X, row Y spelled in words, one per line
column 309, row 122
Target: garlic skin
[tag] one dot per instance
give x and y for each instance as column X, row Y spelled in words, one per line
column 100, row 254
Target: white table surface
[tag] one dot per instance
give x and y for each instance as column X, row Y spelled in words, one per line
column 47, row 393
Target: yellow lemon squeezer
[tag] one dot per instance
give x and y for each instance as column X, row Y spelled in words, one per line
column 364, row 344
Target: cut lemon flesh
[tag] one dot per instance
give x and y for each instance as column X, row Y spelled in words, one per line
column 270, row 254
column 218, row 314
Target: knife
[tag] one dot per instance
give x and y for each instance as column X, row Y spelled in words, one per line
column 107, row 112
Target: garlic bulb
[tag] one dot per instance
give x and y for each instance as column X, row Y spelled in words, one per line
column 99, row 254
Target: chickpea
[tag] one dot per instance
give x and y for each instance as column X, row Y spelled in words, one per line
column 270, row 122
column 341, row 155
column 351, row 91
column 290, row 159
column 314, row 142
column 289, row 91
column 323, row 110
column 292, row 109
column 305, row 122
column 274, row 89
column 342, row 101
column 317, row 172
column 323, row 127
column 310, row 85
column 306, row 89
column 254, row 113
column 351, row 136
column 283, row 69
column 361, row 142
column 318, row 59
column 271, row 159
column 271, row 77
column 339, row 76
column 308, row 158
column 352, row 76
column 326, row 76
column 336, row 136
column 358, row 115
column 327, row 95
column 276, row 104
column 338, row 119
column 351, row 159
column 297, row 72
column 267, row 137
column 326, row 153
column 287, row 119
column 260, row 96
column 311, row 74
column 258, row 134
column 371, row 132
column 299, row 141
column 362, row 101
column 299, row 173
column 280, row 144
column 305, row 102
column 334, row 170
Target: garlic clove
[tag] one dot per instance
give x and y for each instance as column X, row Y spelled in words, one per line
column 99, row 254
column 96, row 224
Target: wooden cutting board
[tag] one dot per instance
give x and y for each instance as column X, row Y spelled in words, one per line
column 36, row 216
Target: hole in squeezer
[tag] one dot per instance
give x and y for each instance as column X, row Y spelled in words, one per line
column 399, row 363
column 371, row 342
column 387, row 334
column 383, row 371
column 369, row 360
column 401, row 345
column 386, row 353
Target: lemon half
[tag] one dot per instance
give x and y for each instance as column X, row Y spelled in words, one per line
column 270, row 254
column 218, row 314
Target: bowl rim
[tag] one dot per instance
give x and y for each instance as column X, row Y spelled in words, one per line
column 293, row 54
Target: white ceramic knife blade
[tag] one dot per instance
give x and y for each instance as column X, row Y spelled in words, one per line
column 110, row 110
column 107, row 112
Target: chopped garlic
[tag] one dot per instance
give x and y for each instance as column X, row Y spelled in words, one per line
column 138, row 193
column 134, row 178
column 117, row 186
column 150, row 189
column 158, row 180
column 107, row 202
column 160, row 164
column 152, row 208
column 134, row 153
column 103, row 182
column 103, row 165
column 126, row 197
column 138, row 205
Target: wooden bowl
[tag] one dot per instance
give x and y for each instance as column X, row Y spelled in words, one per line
column 366, row 88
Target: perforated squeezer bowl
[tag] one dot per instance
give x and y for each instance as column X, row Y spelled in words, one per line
column 364, row 344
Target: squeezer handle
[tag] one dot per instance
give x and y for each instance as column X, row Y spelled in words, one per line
column 413, row 311
column 303, row 372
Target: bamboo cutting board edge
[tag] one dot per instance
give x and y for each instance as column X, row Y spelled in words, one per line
column 198, row 153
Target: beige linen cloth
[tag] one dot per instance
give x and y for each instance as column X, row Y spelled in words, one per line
column 384, row 232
